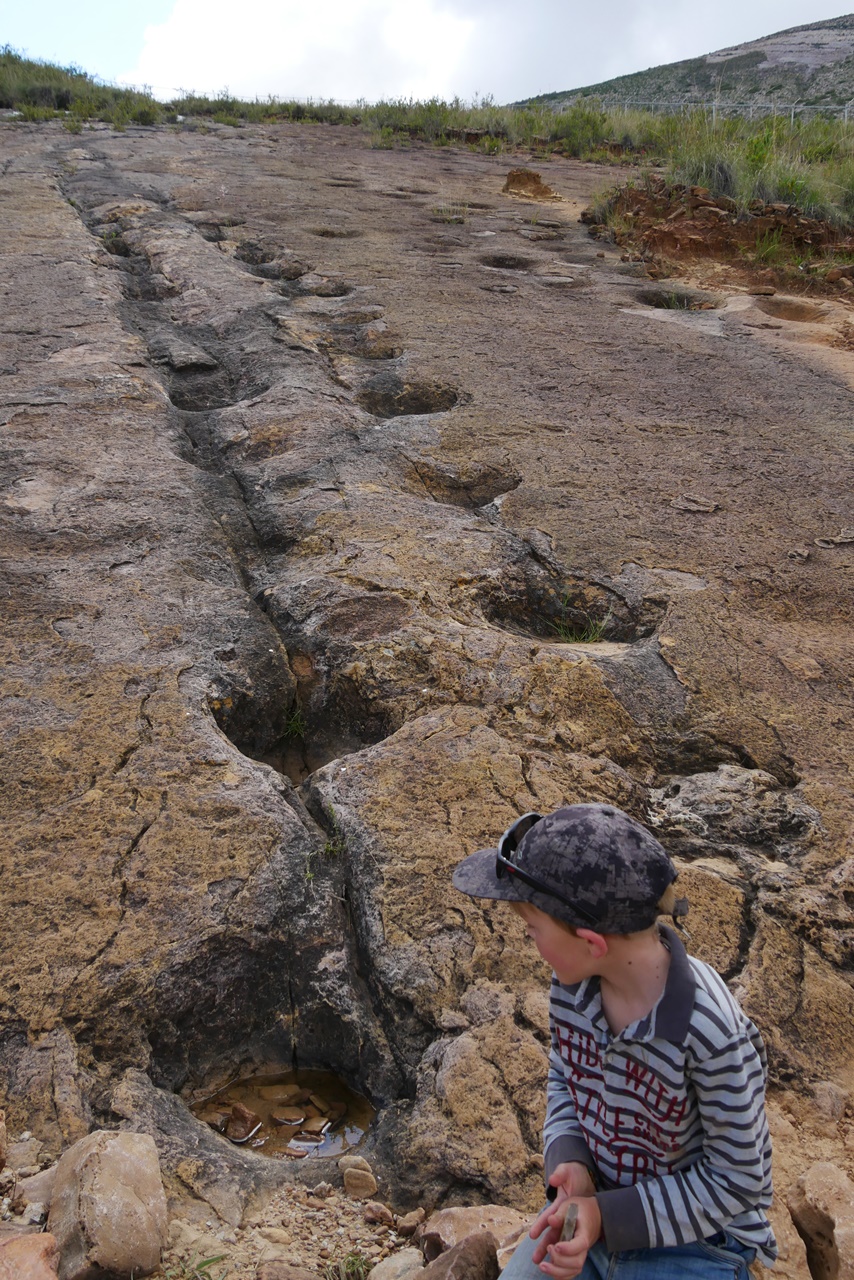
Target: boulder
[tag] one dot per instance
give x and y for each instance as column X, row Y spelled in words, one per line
column 474, row 1258
column 108, row 1211
column 29, row 1258
column 791, row 1261
column 449, row 1227
column 822, row 1206
column 403, row 1263
column 3, row 1142
column 24, row 1154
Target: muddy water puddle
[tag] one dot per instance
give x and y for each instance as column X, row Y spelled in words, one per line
column 289, row 1115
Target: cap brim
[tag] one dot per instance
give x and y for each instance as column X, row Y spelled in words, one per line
column 475, row 875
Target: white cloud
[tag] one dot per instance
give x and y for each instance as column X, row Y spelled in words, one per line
column 351, row 49
column 344, row 49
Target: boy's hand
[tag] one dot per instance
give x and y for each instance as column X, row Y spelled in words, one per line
column 564, row 1259
column 573, row 1179
column 573, row 1182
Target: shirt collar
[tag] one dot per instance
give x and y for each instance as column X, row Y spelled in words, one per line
column 671, row 1017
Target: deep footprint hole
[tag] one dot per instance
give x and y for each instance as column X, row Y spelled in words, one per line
column 254, row 254
column 201, row 390
column 335, row 233
column 299, row 736
column 389, row 397
column 470, row 485
column 507, row 262
column 573, row 612
column 678, row 299
column 792, row 309
column 285, row 1114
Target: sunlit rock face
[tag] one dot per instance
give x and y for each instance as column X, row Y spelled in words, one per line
column 327, row 555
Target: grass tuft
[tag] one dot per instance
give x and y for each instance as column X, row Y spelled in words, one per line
column 579, row 629
column 451, row 211
column 295, row 725
column 352, row 1266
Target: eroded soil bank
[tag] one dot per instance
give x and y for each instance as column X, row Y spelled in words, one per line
column 352, row 507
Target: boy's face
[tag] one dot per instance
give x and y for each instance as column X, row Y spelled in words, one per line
column 568, row 953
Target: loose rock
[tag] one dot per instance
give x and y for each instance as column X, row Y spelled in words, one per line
column 243, row 1123
column 284, row 1271
column 474, row 1258
column 29, row 1258
column 38, row 1189
column 448, row 1227
column 409, row 1223
column 108, row 1209
column 822, row 1206
column 276, row 1235
column 405, row 1263
column 830, row 1099
column 376, row 1212
column 359, row 1183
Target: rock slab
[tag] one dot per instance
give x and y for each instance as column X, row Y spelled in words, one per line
column 108, row 1211
column 29, row 1258
column 822, row 1206
column 474, row 1258
column 449, row 1227
column 403, row 1263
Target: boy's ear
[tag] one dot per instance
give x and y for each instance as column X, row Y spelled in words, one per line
column 597, row 942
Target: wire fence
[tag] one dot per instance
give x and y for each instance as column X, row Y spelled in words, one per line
column 718, row 108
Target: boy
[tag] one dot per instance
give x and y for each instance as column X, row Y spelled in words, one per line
column 655, row 1135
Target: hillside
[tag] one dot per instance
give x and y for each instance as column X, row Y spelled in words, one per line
column 812, row 64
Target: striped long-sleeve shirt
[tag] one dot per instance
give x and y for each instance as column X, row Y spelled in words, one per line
column 669, row 1114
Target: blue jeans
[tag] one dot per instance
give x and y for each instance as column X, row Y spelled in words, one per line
column 719, row 1258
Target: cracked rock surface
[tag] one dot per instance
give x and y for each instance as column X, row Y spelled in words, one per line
column 336, row 536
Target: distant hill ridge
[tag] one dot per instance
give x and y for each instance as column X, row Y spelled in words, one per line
column 811, row 64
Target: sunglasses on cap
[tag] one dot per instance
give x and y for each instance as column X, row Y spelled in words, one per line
column 504, row 864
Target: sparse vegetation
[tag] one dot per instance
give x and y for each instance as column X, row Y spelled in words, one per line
column 808, row 163
column 197, row 1269
column 451, row 211
column 334, row 846
column 575, row 627
column 42, row 91
column 353, row 1265
column 674, row 301
column 295, row 725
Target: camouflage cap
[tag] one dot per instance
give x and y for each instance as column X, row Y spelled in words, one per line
column 591, row 855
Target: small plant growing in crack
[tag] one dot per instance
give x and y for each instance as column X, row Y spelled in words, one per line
column 295, row 725
column 352, row 1266
column 588, row 631
column 451, row 211
column 197, row 1269
column 334, row 846
column 674, row 302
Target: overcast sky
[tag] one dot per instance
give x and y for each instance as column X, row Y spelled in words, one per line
column 351, row 49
